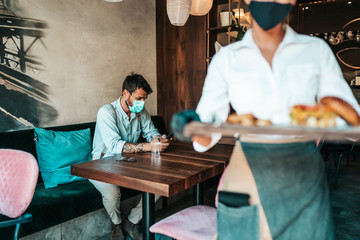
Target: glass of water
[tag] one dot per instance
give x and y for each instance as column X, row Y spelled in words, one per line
column 155, row 145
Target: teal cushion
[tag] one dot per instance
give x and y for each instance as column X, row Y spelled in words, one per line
column 58, row 150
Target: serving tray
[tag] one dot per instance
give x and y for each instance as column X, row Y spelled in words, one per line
column 340, row 134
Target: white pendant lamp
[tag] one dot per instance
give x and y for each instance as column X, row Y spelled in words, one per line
column 200, row 7
column 178, row 11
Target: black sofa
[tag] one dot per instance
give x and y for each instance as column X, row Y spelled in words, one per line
column 53, row 206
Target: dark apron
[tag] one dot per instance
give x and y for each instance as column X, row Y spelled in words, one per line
column 293, row 190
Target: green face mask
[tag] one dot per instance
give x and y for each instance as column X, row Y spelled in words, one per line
column 269, row 14
column 137, row 106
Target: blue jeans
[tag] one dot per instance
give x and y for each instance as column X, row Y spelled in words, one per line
column 293, row 190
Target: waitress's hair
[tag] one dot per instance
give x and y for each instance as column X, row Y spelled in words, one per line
column 135, row 81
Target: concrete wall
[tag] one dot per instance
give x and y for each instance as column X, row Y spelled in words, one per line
column 88, row 48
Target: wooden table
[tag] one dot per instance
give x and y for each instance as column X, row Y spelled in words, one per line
column 177, row 169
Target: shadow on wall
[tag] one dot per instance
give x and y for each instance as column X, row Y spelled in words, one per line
column 23, row 99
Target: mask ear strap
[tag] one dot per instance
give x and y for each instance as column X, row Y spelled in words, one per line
column 127, row 102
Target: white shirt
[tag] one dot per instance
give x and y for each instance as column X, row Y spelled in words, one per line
column 303, row 70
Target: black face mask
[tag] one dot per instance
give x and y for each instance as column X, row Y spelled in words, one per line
column 269, row 14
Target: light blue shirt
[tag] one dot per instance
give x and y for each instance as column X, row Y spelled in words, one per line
column 113, row 129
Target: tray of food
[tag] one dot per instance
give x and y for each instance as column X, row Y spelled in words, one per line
column 317, row 122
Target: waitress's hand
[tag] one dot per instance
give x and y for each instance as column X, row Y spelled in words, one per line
column 203, row 140
column 178, row 122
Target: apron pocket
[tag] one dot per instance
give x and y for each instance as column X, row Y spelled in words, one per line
column 236, row 223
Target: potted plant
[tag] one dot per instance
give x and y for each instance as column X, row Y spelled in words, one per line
column 239, row 29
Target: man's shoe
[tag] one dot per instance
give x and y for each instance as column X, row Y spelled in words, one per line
column 133, row 230
column 117, row 232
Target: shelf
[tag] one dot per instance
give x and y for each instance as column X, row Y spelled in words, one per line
column 221, row 29
column 218, row 2
column 214, row 31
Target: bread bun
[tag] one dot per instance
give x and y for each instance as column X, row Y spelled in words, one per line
column 312, row 116
column 247, row 120
column 342, row 109
column 263, row 122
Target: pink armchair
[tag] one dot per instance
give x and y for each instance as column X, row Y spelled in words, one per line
column 193, row 223
column 18, row 177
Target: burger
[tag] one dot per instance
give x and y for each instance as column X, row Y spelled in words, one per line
column 324, row 113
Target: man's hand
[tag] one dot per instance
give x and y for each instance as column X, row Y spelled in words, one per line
column 164, row 142
column 145, row 147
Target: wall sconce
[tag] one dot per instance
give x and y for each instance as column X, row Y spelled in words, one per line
column 200, row 7
column 178, row 11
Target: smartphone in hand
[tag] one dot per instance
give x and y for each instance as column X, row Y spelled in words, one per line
column 170, row 135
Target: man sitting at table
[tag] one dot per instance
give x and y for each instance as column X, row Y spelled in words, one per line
column 118, row 127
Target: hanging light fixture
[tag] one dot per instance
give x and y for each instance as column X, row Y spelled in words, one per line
column 178, row 11
column 200, row 7
column 113, row 0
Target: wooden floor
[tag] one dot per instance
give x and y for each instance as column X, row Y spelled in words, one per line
column 345, row 202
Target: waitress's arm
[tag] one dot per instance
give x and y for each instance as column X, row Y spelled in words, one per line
column 204, row 143
column 214, row 102
column 332, row 82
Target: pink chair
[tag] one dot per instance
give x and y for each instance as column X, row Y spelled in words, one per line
column 193, row 223
column 18, row 177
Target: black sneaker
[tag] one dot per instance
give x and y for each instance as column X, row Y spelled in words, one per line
column 133, row 230
column 117, row 232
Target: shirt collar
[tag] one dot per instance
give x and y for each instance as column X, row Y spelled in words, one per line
column 290, row 37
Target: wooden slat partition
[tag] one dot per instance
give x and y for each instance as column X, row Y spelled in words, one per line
column 181, row 63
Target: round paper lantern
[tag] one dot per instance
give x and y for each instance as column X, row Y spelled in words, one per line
column 200, row 7
column 178, row 11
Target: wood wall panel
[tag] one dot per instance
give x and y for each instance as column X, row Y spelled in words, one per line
column 181, row 65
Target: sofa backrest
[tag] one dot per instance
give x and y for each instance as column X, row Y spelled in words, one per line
column 24, row 139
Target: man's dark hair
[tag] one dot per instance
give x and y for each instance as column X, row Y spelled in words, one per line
column 135, row 81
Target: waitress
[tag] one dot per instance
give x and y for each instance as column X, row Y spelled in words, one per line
column 269, row 71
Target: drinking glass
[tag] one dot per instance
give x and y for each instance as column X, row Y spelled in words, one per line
column 155, row 145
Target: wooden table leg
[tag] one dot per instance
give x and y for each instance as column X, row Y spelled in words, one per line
column 199, row 194
column 148, row 201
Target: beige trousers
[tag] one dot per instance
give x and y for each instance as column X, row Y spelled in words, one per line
column 111, row 199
